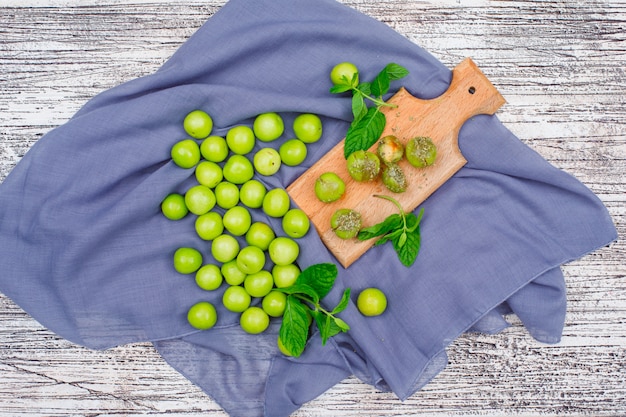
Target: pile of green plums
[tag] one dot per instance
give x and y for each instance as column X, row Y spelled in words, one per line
column 223, row 200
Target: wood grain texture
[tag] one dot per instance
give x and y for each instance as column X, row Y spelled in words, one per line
column 561, row 65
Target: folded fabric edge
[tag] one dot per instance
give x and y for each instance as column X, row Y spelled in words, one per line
column 426, row 374
column 323, row 369
column 185, row 375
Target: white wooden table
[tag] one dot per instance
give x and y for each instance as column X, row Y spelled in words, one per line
column 561, row 65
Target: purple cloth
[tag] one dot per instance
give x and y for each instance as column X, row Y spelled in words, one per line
column 86, row 251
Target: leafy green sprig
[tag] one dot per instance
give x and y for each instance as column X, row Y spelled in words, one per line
column 402, row 229
column 304, row 308
column 369, row 122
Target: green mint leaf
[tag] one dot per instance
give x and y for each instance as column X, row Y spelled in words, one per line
column 384, row 239
column 407, row 252
column 323, row 325
column 413, row 221
column 365, row 88
column 401, row 229
column 402, row 239
column 338, row 89
column 319, row 277
column 365, row 133
column 342, row 324
column 334, row 327
column 345, row 299
column 393, row 222
column 355, row 79
column 395, row 71
column 301, row 288
column 328, row 326
column 359, row 109
column 380, row 85
column 419, row 217
column 294, row 329
column 389, row 236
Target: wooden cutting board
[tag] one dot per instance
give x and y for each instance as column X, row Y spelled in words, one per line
column 470, row 93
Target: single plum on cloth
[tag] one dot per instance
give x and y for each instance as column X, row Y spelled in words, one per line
column 85, row 250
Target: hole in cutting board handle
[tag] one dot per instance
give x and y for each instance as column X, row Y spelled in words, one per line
column 471, row 90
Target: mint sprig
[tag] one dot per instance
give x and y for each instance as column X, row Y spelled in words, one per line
column 304, row 308
column 368, row 123
column 402, row 229
column 365, row 133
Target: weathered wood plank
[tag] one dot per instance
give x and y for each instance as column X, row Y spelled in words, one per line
column 561, row 67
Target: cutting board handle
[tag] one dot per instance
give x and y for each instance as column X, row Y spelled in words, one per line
column 469, row 94
column 472, row 92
